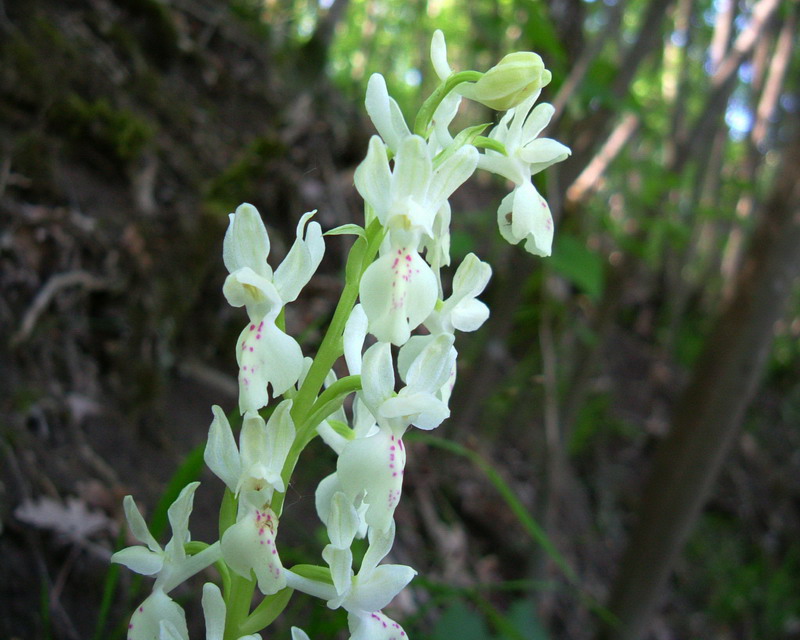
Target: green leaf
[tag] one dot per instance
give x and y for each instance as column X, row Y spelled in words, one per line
column 189, row 471
column 459, row 621
column 355, row 259
column 347, row 229
column 579, row 265
column 522, row 614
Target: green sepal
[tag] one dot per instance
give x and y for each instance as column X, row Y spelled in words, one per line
column 313, row 572
column 266, row 611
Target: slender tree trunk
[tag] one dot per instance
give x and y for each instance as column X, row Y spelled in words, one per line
column 724, row 80
column 710, row 412
column 591, row 131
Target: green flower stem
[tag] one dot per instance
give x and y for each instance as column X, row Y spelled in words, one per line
column 237, row 604
column 331, row 347
column 428, row 108
column 361, row 255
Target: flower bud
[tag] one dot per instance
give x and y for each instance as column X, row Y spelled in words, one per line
column 516, row 77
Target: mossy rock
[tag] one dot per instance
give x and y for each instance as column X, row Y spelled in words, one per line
column 118, row 133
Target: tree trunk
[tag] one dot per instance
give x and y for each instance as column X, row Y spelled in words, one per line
column 711, row 409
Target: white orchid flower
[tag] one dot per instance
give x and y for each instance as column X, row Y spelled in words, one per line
column 370, row 467
column 369, row 591
column 374, row 587
column 171, row 565
column 524, row 214
column 253, row 471
column 265, row 354
column 462, row 311
column 416, row 403
column 399, row 290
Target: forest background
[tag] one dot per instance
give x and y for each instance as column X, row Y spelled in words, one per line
column 623, row 458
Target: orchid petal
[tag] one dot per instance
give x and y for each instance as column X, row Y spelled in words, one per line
column 453, row 173
column 374, row 626
column 139, row 560
column 266, row 355
column 377, row 381
column 221, row 454
column 373, row 178
column 398, row 291
column 381, row 587
column 138, row 526
column 542, row 153
column 537, row 120
column 249, row 545
column 343, row 522
column 374, row 464
column 158, row 607
column 246, row 288
column 340, row 561
column 412, row 170
column 302, row 260
column 385, row 112
column 178, row 515
column 214, row 611
column 355, row 332
column 469, row 315
column 439, row 55
column 246, row 242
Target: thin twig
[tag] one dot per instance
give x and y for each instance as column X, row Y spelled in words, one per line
column 47, row 293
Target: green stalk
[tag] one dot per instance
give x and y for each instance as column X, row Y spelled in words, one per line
column 428, row 108
column 237, row 604
column 331, row 347
column 361, row 255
